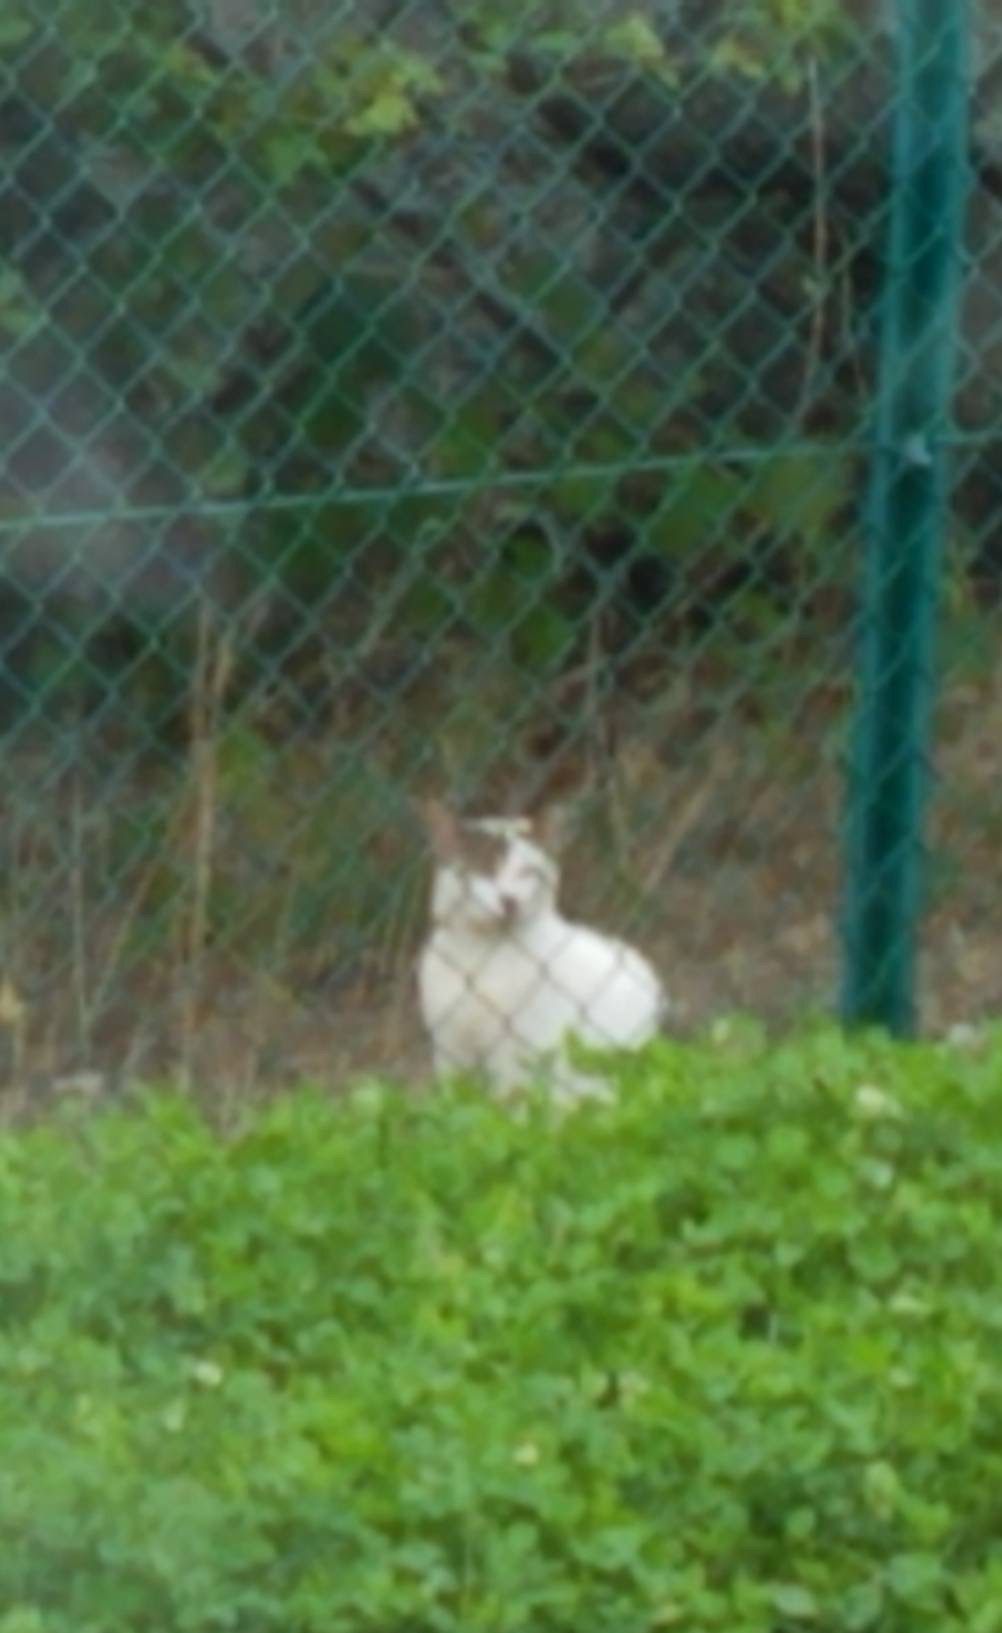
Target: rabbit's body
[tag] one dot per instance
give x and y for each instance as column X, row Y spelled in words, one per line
column 505, row 978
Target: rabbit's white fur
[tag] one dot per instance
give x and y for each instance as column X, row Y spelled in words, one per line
column 505, row 979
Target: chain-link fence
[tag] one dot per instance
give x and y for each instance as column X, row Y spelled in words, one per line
column 468, row 396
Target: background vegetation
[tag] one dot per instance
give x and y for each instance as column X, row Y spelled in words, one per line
column 381, row 316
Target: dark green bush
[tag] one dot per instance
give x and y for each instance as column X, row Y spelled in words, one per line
column 723, row 1357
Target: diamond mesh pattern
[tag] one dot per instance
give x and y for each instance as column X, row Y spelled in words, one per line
column 467, row 396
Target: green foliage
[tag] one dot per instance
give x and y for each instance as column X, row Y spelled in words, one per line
column 723, row 1357
column 351, row 259
column 774, row 39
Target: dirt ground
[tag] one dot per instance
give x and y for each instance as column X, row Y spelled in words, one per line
column 715, row 849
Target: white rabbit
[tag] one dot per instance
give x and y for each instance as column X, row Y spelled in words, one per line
column 504, row 978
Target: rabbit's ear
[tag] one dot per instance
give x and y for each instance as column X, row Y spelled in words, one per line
column 552, row 786
column 551, row 826
column 442, row 828
column 560, row 790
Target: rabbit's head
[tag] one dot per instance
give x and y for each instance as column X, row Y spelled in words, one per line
column 494, row 874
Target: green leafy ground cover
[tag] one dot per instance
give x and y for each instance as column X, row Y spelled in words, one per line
column 726, row 1356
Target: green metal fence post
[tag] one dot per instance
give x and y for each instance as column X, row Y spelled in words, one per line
column 888, row 772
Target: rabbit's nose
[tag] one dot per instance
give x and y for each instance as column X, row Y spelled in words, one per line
column 509, row 904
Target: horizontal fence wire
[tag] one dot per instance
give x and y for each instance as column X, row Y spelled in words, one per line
column 463, row 401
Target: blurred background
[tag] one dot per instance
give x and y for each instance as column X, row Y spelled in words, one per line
column 468, row 395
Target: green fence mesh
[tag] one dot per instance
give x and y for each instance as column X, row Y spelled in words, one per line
column 469, row 396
